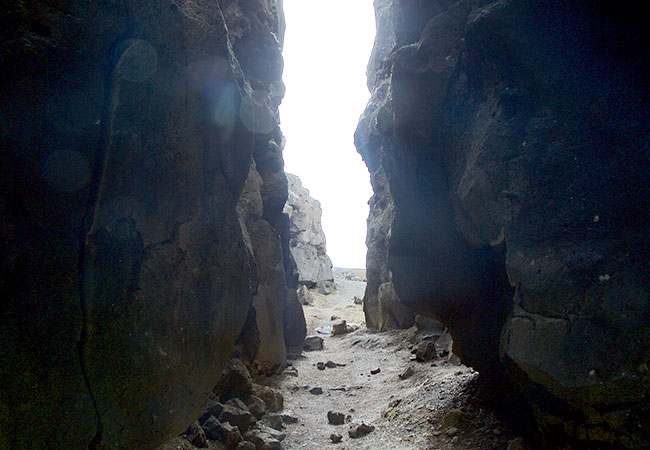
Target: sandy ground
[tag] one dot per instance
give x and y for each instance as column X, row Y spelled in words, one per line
column 407, row 414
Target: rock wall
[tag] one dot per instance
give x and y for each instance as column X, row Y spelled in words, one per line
column 382, row 307
column 129, row 130
column 513, row 139
column 307, row 242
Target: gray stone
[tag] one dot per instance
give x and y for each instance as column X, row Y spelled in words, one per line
column 256, row 406
column 360, row 429
column 335, row 418
column 272, row 397
column 235, row 381
column 312, row 343
column 426, row 351
column 235, row 416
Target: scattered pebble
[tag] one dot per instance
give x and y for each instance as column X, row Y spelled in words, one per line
column 335, row 418
column 360, row 429
column 375, row 371
column 336, row 438
column 316, row 391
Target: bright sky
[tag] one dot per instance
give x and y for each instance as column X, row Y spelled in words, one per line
column 326, row 50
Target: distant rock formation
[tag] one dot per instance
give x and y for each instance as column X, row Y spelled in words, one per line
column 513, row 139
column 307, row 241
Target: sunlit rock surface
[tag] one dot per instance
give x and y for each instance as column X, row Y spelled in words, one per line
column 127, row 134
column 307, row 241
column 514, row 142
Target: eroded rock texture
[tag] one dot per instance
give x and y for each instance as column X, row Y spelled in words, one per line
column 128, row 133
column 514, row 142
column 307, row 240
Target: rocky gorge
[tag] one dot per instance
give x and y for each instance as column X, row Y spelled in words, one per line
column 155, row 253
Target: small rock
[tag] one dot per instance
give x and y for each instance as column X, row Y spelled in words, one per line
column 275, row 434
column 235, row 381
column 229, row 435
column 517, row 443
column 335, row 418
column 426, row 351
column 273, row 421
column 256, row 406
column 316, row 391
column 196, row 435
column 262, row 440
column 357, row 300
column 246, row 445
column 320, row 365
column 312, row 343
column 237, row 417
column 292, row 372
column 237, row 403
column 497, row 432
column 334, row 317
column 339, row 328
column 212, row 408
column 211, row 428
column 375, row 371
column 360, row 429
column 272, row 398
column 406, row 373
column 288, row 418
column 395, row 402
column 336, row 438
column 331, row 364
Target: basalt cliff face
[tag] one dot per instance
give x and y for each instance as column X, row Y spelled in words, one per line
column 512, row 138
column 142, row 193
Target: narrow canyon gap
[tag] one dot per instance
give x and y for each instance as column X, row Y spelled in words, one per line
column 145, row 241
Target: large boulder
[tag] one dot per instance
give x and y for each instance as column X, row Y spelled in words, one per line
column 513, row 138
column 127, row 135
column 307, row 241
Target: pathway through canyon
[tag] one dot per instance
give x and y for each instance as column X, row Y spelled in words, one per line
column 434, row 407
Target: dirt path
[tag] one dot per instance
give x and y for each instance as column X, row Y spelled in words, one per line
column 407, row 413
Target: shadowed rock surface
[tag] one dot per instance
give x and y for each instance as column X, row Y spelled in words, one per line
column 512, row 137
column 307, row 241
column 128, row 132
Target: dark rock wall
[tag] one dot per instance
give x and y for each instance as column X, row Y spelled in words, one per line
column 513, row 136
column 128, row 132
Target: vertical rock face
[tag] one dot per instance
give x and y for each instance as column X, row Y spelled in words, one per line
column 307, row 241
column 382, row 307
column 512, row 138
column 128, row 133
